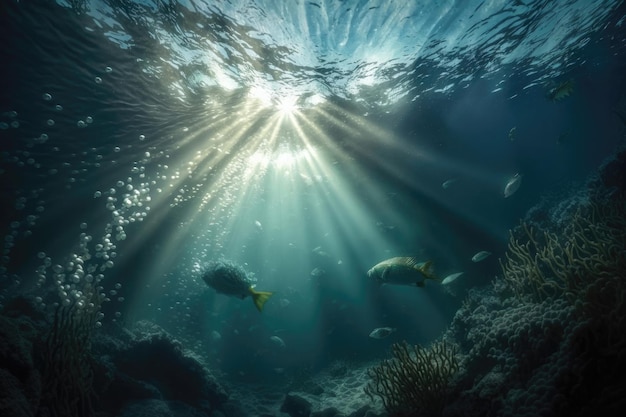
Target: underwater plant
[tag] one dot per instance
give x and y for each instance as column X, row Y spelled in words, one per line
column 416, row 381
column 590, row 251
column 67, row 371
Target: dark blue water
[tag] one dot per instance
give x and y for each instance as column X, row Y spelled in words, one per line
column 304, row 141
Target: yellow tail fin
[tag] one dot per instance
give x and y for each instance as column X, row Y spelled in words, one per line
column 427, row 269
column 260, row 298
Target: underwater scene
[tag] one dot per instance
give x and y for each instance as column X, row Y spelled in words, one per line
column 357, row 208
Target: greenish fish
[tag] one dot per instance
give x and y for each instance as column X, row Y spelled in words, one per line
column 402, row 271
column 228, row 278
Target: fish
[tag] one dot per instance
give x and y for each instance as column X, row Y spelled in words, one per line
column 318, row 251
column 512, row 133
column 318, row 272
column 448, row 183
column 278, row 341
column 480, row 256
column 381, row 332
column 228, row 278
column 558, row 93
column 450, row 278
column 512, row 185
column 402, row 271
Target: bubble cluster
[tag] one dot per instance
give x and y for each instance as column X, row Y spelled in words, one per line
column 79, row 280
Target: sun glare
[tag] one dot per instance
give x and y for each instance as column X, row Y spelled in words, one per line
column 279, row 176
column 287, row 105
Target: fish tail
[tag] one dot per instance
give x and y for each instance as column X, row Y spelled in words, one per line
column 427, row 271
column 260, row 298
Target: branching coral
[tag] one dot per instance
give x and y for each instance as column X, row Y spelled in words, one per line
column 586, row 265
column 591, row 249
column 416, row 380
column 67, row 372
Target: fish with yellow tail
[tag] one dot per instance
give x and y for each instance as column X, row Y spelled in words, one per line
column 402, row 271
column 228, row 278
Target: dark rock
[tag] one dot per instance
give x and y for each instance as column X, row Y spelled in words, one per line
column 296, row 406
column 613, row 172
column 160, row 408
column 160, row 361
column 22, row 306
column 328, row 412
column 20, row 382
column 231, row 409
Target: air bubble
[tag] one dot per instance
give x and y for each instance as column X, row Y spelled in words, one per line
column 47, row 96
column 58, row 107
column 97, row 194
column 89, row 119
column 142, row 137
column 108, row 70
column 41, row 255
column 83, row 225
column 81, row 123
column 116, row 149
column 50, row 122
column 98, row 80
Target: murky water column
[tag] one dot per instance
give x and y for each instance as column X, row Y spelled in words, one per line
column 75, row 275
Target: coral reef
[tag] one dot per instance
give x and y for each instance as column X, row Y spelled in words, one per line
column 590, row 249
column 548, row 337
column 146, row 363
column 416, row 380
